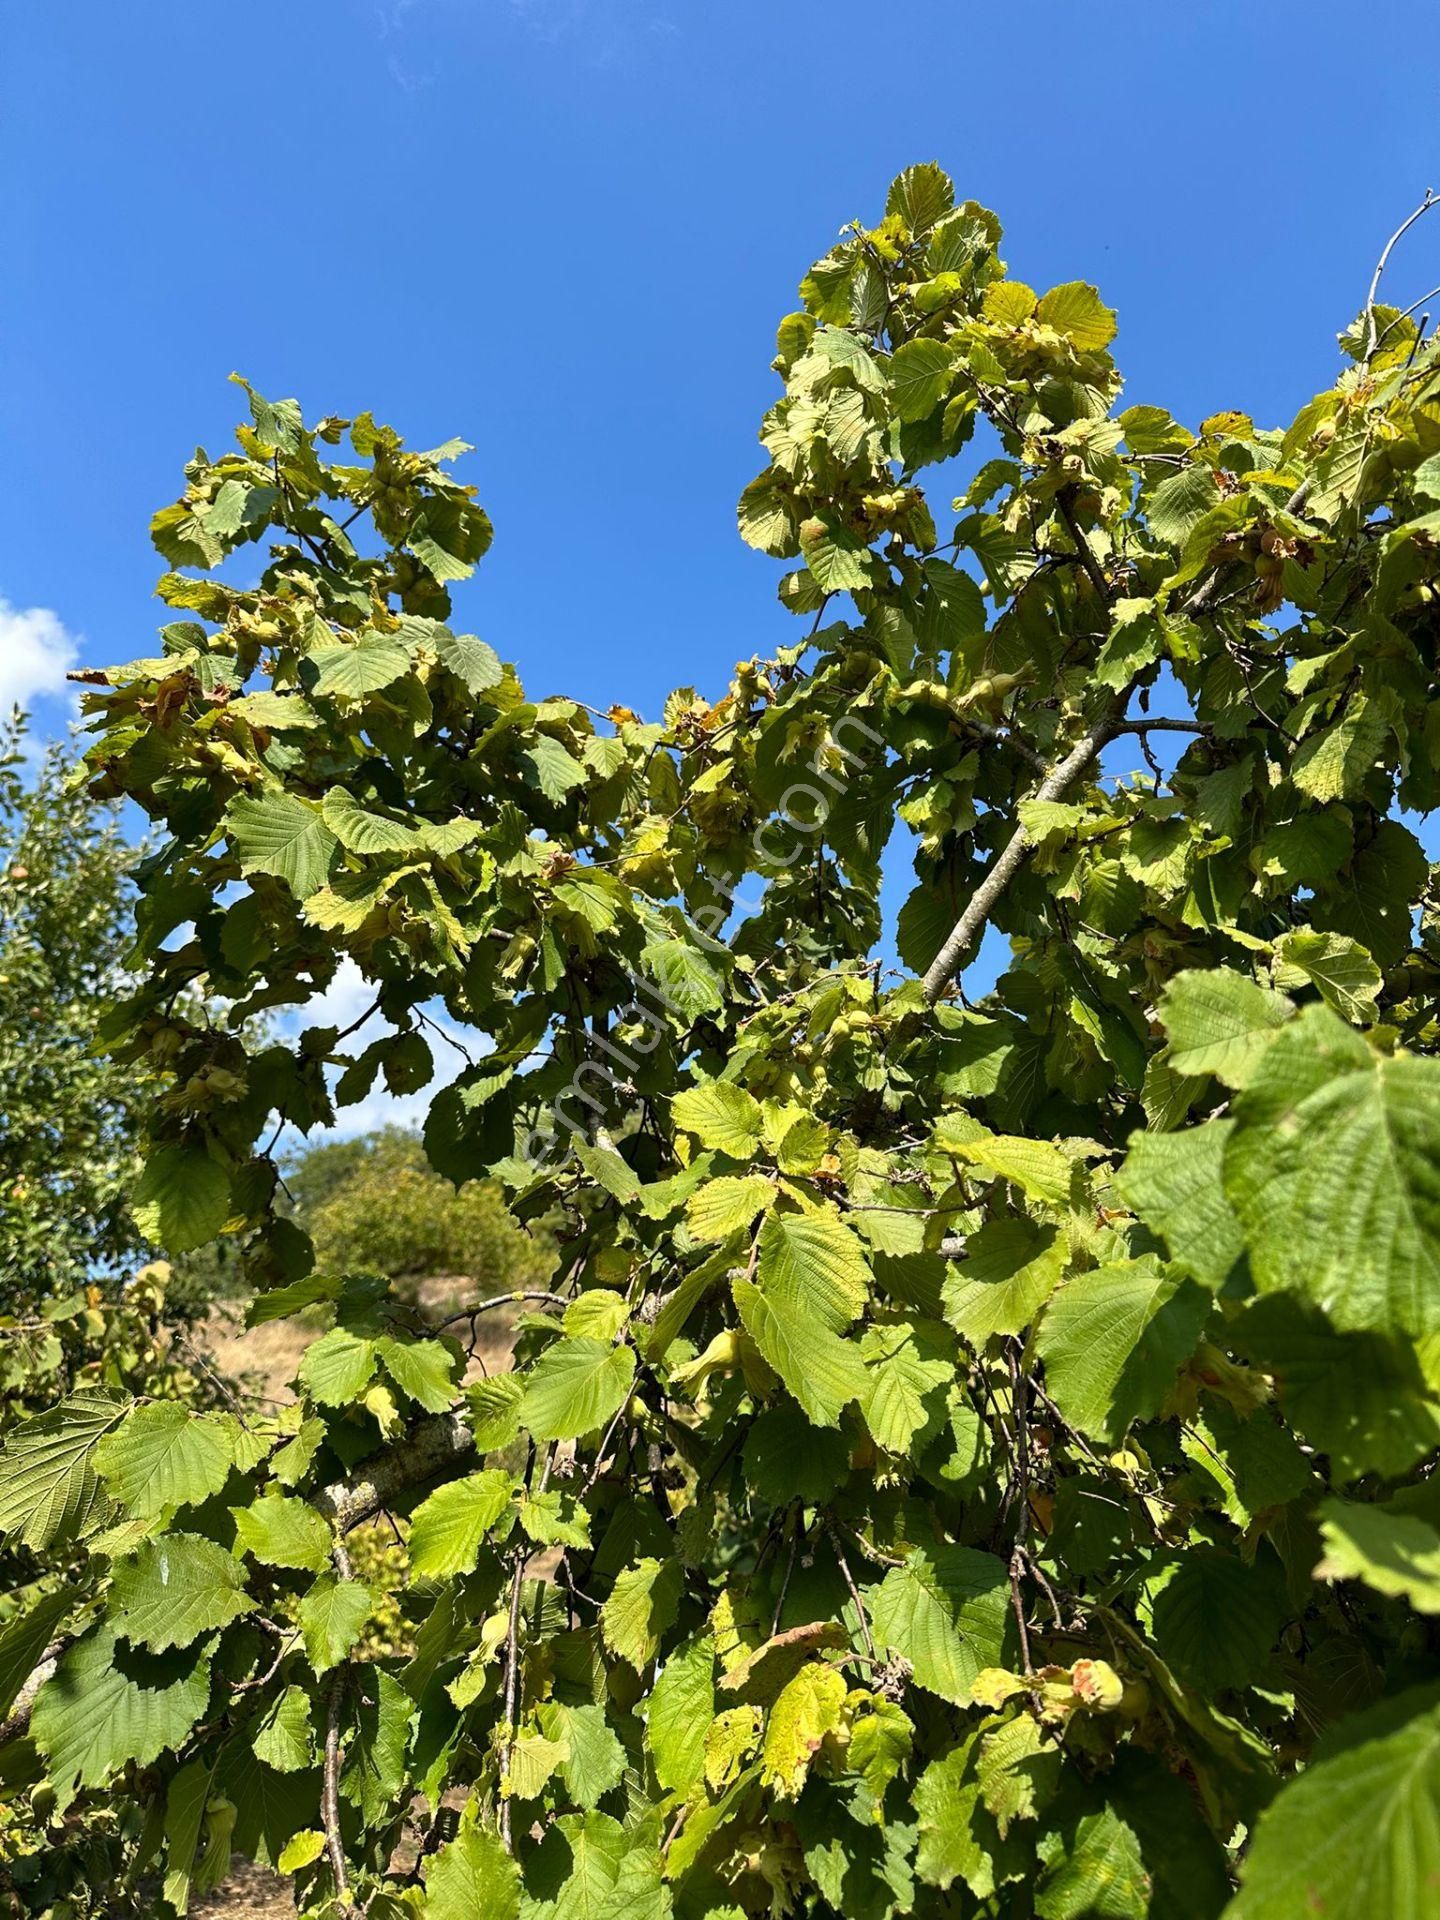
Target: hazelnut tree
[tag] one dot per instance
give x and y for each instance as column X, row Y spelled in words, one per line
column 973, row 1456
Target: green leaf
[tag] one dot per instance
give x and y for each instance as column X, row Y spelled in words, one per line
column 448, row 1529
column 838, row 561
column 185, row 1802
column 1340, row 967
column 641, row 1609
column 23, row 1640
column 1039, row 1169
column 374, row 1771
column 284, row 1738
column 1011, row 1268
column 106, row 1705
column 176, row 1588
column 958, row 1836
column 946, row 1612
column 575, row 1387
column 424, row 1370
column 1220, row 1023
column 788, row 1459
column 1334, row 1171
column 1113, row 1341
column 720, row 1115
column 920, row 376
column 1215, row 1618
column 182, row 1198
column 1180, row 502
column 1395, row 1553
column 1173, row 1182
column 336, row 1369
column 1019, row 1769
column 349, row 672
column 472, row 1878
column 301, row 1850
column 821, row 1370
column 921, row 196
column 910, row 1365
column 881, row 1742
column 531, row 1764
column 1333, row 764
column 495, row 1410
column 1008, row 303
column 1371, row 895
column 678, row 1714
column 361, row 831
column 815, row 1261
column 280, row 835
column 1077, row 311
column 1094, row 1870
column 470, row 660
column 165, row 1456
column 554, row 1518
column 596, row 1761
column 686, row 983
column 556, row 770
column 599, row 1313
column 332, row 1617
column 280, row 1531
column 1359, row 1397
column 1355, row 1835
column 764, row 517
column 49, row 1492
column 725, row 1206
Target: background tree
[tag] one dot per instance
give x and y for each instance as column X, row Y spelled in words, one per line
column 970, row 1457
column 375, row 1201
column 69, row 1121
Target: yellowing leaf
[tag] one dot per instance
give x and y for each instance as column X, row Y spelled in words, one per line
column 1077, row 311
column 807, row 1710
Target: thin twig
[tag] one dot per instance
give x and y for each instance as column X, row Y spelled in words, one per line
column 1019, row 1555
column 1159, row 724
column 330, row 1792
column 512, row 1664
column 1082, row 545
column 507, row 1300
column 1380, row 265
column 1005, row 737
column 982, row 902
column 795, row 1539
column 605, row 1439
column 872, row 1553
column 849, row 1579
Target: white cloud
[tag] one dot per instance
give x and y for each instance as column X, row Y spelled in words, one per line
column 35, row 651
column 343, row 1002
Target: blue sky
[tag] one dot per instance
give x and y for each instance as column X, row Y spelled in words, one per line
column 565, row 230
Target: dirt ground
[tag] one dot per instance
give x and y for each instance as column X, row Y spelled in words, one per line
column 250, row 1893
column 268, row 1355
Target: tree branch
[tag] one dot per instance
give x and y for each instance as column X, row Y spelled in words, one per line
column 1082, row 545
column 982, row 902
column 849, row 1578
column 436, row 1449
column 1004, row 737
column 512, row 1663
column 330, row 1792
column 1425, row 205
column 1160, row 725
column 507, row 1300
column 17, row 1721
